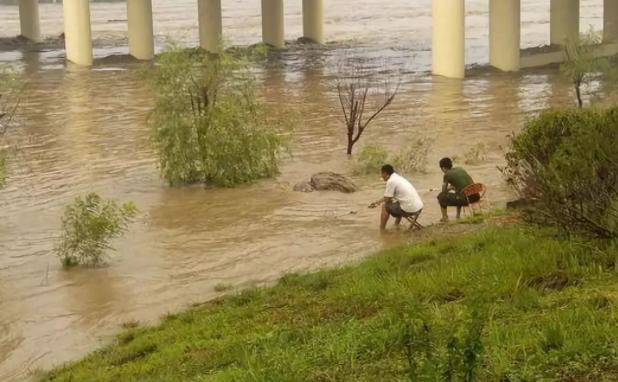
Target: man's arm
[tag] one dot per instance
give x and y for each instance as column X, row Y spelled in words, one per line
column 384, row 199
column 446, row 185
column 389, row 193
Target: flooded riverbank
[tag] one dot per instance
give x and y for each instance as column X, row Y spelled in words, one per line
column 84, row 129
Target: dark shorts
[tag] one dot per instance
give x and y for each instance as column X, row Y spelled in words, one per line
column 394, row 209
column 453, row 199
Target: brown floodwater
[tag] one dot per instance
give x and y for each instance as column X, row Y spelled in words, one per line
column 84, row 129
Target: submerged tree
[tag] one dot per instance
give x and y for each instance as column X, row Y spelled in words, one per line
column 581, row 64
column 88, row 225
column 357, row 85
column 208, row 124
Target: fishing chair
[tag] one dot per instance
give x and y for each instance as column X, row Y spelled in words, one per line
column 412, row 218
column 475, row 189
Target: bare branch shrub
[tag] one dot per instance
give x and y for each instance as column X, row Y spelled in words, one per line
column 364, row 92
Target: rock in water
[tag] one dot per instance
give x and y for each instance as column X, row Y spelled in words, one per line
column 327, row 181
column 303, row 187
column 330, row 181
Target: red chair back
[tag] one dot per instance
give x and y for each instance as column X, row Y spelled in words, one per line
column 473, row 189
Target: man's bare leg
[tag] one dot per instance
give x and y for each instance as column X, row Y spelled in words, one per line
column 444, row 215
column 384, row 218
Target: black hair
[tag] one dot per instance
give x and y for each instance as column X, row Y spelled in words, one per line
column 446, row 163
column 388, row 169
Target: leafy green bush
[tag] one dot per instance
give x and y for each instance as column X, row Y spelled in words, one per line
column 208, row 125
column 413, row 156
column 370, row 160
column 88, row 224
column 566, row 161
column 408, row 160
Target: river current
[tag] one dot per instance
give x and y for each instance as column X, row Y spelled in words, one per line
column 84, row 129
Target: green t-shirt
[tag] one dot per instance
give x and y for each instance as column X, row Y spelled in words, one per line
column 458, row 178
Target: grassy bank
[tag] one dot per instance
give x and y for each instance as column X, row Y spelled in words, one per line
column 507, row 303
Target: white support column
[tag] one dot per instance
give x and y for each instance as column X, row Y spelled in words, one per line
column 610, row 21
column 449, row 38
column 505, row 34
column 77, row 33
column 141, row 34
column 29, row 19
column 564, row 24
column 272, row 23
column 313, row 20
column 211, row 25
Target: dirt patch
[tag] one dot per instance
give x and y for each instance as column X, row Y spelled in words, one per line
column 608, row 373
column 126, row 337
column 553, row 281
column 454, row 295
column 420, row 259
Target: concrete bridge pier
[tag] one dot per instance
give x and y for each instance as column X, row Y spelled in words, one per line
column 448, row 38
column 77, row 32
column 273, row 23
column 211, row 24
column 564, row 23
column 505, row 34
column 141, row 34
column 313, row 20
column 610, row 21
column 29, row 19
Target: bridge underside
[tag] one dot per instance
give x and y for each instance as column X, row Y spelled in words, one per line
column 505, row 35
column 448, row 30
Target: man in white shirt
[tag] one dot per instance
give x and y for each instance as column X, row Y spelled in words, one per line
column 400, row 198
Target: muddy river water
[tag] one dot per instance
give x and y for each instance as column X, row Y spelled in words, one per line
column 84, row 130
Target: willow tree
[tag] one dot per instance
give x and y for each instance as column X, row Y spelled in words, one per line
column 364, row 92
column 208, row 124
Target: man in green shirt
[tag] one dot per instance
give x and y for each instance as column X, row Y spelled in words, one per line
column 455, row 180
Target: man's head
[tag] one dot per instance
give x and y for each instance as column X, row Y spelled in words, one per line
column 387, row 171
column 446, row 164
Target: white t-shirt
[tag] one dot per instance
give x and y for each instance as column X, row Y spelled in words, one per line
column 398, row 188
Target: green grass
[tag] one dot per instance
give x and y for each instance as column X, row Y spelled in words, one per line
column 506, row 303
